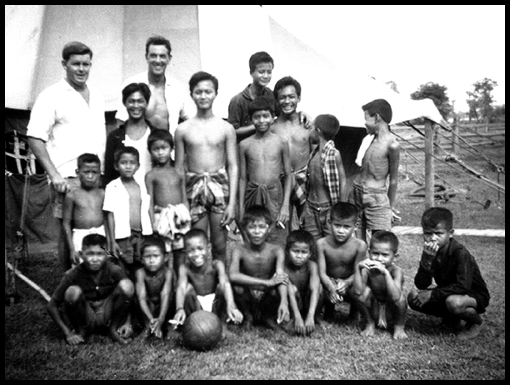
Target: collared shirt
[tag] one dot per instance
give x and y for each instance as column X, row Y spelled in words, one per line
column 178, row 101
column 329, row 170
column 116, row 200
column 109, row 277
column 238, row 115
column 69, row 126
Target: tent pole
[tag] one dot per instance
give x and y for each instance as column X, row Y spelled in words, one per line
column 429, row 164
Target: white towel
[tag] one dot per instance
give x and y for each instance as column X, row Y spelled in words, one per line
column 206, row 301
column 365, row 144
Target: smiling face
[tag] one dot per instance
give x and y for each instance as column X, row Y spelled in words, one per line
column 158, row 58
column 262, row 120
column 77, row 70
column 262, row 74
column 198, row 250
column 204, row 94
column 136, row 105
column 288, row 99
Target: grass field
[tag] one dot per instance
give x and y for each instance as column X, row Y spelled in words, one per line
column 34, row 347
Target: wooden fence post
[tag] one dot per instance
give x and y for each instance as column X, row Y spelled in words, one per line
column 455, row 139
column 429, row 164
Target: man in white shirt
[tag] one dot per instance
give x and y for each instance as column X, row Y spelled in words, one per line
column 67, row 120
column 169, row 103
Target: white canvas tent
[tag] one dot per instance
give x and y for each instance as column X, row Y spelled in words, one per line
column 215, row 38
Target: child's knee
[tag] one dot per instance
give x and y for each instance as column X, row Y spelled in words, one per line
column 455, row 304
column 73, row 294
column 126, row 287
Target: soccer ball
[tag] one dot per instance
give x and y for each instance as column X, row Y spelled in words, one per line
column 201, row 330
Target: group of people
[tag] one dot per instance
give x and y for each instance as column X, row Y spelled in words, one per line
column 146, row 210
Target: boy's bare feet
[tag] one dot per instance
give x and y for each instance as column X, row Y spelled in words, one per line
column 470, row 332
column 115, row 336
column 399, row 333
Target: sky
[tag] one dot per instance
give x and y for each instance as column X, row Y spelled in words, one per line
column 452, row 45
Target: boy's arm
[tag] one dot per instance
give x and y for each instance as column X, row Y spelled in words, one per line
column 180, row 294
column 233, row 312
column 67, row 217
column 242, row 178
column 150, row 190
column 395, row 283
column 344, row 194
column 239, row 278
column 287, row 170
column 165, row 296
column 394, row 161
column 141, row 293
column 315, row 284
column 283, row 309
column 110, row 234
column 233, row 176
column 321, row 263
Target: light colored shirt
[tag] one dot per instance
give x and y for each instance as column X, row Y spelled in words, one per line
column 116, row 201
column 145, row 156
column 178, row 101
column 68, row 125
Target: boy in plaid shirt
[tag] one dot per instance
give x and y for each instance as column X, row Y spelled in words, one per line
column 326, row 182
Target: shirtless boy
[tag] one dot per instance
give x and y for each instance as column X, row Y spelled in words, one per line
column 257, row 273
column 304, row 289
column 206, row 147
column 326, row 182
column 379, row 286
column 203, row 283
column 372, row 196
column 83, row 207
column 153, row 283
column 337, row 255
column 169, row 208
column 287, row 92
column 263, row 161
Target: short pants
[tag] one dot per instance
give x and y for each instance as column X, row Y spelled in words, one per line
column 374, row 206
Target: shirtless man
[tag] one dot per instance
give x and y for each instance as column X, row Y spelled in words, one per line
column 205, row 146
column 372, row 196
column 287, row 92
column 169, row 103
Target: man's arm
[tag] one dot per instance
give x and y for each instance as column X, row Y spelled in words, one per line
column 344, row 194
column 38, row 147
column 287, row 186
column 242, row 178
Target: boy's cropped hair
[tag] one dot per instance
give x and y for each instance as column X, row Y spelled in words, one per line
column 153, row 240
column 343, row 210
column 158, row 40
column 436, row 215
column 259, row 57
column 381, row 107
column 88, row 158
column 254, row 213
column 195, row 233
column 75, row 48
column 200, row 76
column 328, row 125
column 126, row 150
column 159, row 134
column 93, row 240
column 136, row 87
column 384, row 236
column 301, row 236
column 284, row 82
column 260, row 104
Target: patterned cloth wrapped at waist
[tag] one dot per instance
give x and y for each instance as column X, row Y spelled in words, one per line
column 207, row 191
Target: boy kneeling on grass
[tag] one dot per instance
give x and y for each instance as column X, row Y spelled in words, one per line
column 92, row 295
column 461, row 293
